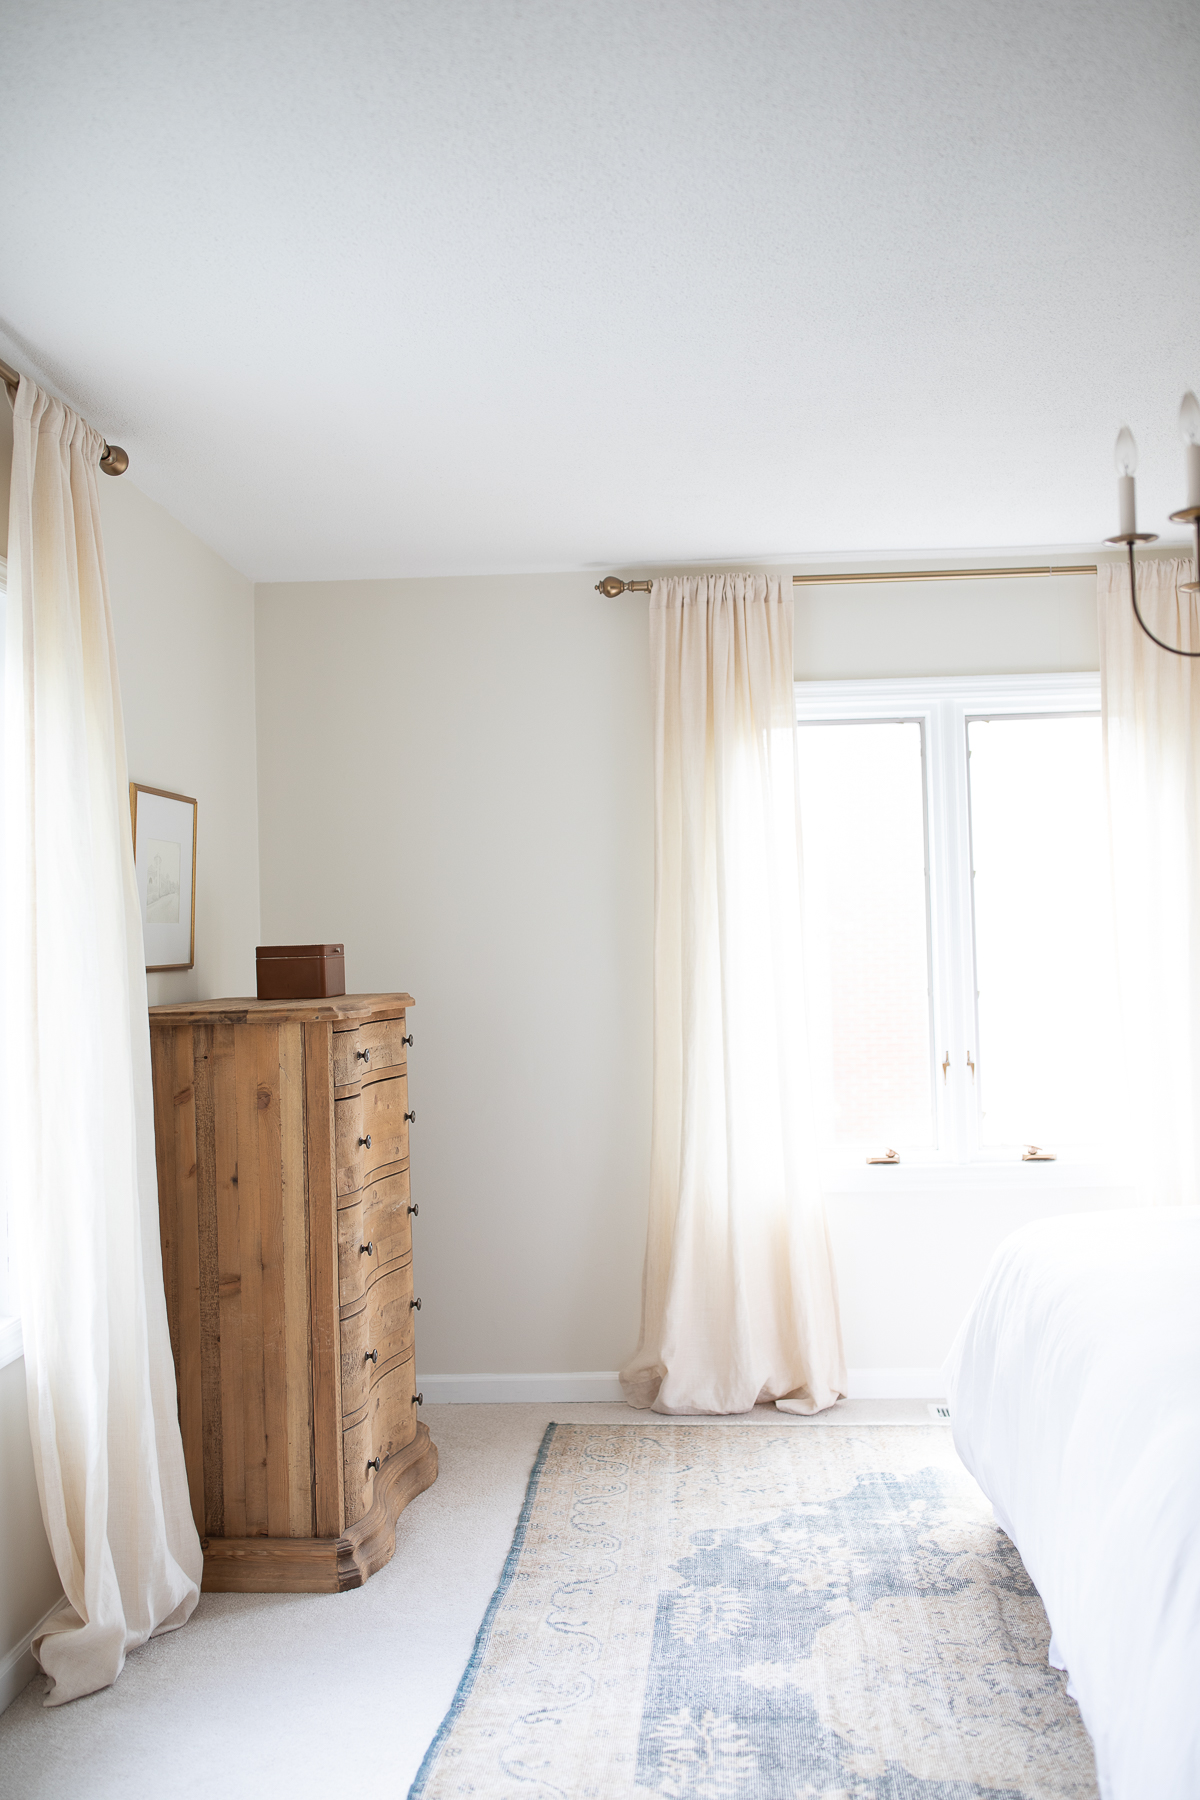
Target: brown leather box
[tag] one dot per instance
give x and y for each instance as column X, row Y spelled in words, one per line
column 300, row 971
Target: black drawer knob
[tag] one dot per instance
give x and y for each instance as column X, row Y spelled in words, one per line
column 418, row 1399
column 414, row 1306
column 363, row 1055
column 367, row 1249
column 411, row 1117
column 371, row 1356
column 373, row 1463
column 413, row 1209
column 407, row 1040
column 365, row 1143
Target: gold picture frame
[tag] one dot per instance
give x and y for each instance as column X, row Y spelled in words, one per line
column 166, row 874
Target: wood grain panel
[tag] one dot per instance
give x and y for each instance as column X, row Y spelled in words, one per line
column 268, row 1149
column 354, row 1267
column 191, row 1397
column 223, row 1068
column 162, row 1071
column 348, row 1135
column 329, row 1498
column 254, row 1423
column 385, row 1048
column 210, row 1281
column 381, row 1324
column 389, row 1423
column 376, row 1113
column 378, row 1215
column 296, row 1311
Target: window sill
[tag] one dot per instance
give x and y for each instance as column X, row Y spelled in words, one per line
column 12, row 1346
column 970, row 1178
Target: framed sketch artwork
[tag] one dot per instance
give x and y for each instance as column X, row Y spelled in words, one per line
column 164, row 855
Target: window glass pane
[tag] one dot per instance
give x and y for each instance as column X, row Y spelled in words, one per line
column 1043, row 948
column 862, row 798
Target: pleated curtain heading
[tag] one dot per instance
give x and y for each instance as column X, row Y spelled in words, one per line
column 739, row 1299
column 1150, row 714
column 81, row 1168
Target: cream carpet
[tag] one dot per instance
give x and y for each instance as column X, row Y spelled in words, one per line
column 325, row 1696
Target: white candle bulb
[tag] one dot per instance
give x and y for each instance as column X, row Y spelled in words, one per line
column 1189, row 425
column 1126, row 460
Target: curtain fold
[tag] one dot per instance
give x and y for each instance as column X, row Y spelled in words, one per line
column 1150, row 706
column 739, row 1298
column 82, row 1179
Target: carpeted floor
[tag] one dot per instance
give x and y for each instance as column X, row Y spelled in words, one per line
column 316, row 1697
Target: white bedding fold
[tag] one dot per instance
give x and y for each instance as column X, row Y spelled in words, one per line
column 1075, row 1403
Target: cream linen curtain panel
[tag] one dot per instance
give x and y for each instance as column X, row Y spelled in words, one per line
column 1150, row 705
column 739, row 1300
column 81, row 1170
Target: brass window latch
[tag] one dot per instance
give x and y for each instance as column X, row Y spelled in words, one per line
column 971, row 1064
column 1034, row 1153
column 889, row 1156
column 945, row 1068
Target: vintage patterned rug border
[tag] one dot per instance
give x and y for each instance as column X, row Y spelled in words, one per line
column 462, row 1692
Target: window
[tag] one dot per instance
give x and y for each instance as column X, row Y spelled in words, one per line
column 957, row 897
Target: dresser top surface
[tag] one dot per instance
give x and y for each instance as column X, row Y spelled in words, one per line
column 346, row 1009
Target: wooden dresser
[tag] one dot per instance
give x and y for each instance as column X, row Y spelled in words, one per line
column 281, row 1129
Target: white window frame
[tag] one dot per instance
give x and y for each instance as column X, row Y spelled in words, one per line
column 943, row 705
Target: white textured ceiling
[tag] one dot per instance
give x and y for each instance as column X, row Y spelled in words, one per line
column 382, row 288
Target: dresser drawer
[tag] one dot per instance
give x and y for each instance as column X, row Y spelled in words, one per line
column 389, row 1423
column 363, row 1052
column 377, row 1115
column 373, row 1337
column 377, row 1215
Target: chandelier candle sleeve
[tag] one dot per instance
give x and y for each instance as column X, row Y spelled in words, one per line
column 1189, row 425
column 1125, row 456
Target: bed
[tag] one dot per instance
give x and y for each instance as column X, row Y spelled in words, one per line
column 1075, row 1403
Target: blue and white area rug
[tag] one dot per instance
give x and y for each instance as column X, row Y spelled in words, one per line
column 697, row 1612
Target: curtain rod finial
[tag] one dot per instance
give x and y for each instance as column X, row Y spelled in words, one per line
column 115, row 461
column 610, row 587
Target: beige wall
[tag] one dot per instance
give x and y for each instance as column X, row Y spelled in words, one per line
column 998, row 627
column 184, row 623
column 455, row 778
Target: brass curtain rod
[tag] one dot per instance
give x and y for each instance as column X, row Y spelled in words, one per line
column 115, row 461
column 612, row 585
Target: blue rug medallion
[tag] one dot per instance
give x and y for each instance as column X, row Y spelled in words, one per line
column 796, row 1613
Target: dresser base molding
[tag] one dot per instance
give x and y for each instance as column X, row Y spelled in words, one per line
column 263, row 1565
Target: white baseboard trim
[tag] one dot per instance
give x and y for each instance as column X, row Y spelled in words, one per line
column 896, row 1384
column 602, row 1384
column 18, row 1668
column 587, row 1384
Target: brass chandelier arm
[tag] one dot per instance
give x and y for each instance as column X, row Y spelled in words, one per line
column 114, row 461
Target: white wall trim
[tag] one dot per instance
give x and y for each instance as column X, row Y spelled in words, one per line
column 19, row 1668
column 12, row 1344
column 586, row 1384
column 897, row 1384
column 603, row 1385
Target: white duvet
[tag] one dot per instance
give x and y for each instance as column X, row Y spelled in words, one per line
column 1075, row 1403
